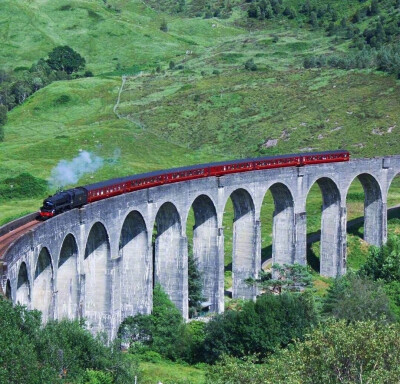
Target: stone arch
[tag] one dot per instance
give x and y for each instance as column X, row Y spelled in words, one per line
column 8, row 290
column 42, row 293
column 373, row 209
column 67, row 279
column 246, row 257
column 133, row 250
column 205, row 251
column 170, row 256
column 97, row 279
column 283, row 224
column 23, row 294
column 331, row 247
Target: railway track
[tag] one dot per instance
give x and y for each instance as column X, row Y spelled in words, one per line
column 7, row 239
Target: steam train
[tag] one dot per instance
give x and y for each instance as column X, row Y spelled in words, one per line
column 79, row 196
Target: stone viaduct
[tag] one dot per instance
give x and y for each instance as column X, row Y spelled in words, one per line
column 101, row 261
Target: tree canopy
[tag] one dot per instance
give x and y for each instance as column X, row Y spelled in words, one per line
column 64, row 58
column 59, row 352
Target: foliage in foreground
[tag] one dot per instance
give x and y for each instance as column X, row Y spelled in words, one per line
column 160, row 332
column 355, row 298
column 383, row 264
column 360, row 352
column 260, row 328
column 60, row 352
column 283, row 278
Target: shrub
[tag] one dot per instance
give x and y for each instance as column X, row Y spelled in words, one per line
column 355, row 298
column 22, row 186
column 250, row 65
column 384, row 262
column 164, row 26
column 162, row 331
column 261, row 327
column 58, row 352
column 361, row 352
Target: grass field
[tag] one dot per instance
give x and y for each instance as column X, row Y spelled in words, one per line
column 211, row 109
column 169, row 372
column 200, row 105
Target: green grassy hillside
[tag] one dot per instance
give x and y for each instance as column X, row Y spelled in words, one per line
column 126, row 32
column 188, row 97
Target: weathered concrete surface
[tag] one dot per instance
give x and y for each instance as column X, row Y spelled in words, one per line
column 101, row 261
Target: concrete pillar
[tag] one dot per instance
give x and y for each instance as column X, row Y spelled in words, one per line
column 300, row 238
column 283, row 225
column 133, row 274
column 205, row 248
column 342, row 257
column 184, row 286
column 221, row 264
column 171, row 257
column 257, row 256
column 97, row 281
column 67, row 280
column 384, row 222
column 42, row 292
column 244, row 258
column 374, row 218
column 331, row 235
column 172, row 274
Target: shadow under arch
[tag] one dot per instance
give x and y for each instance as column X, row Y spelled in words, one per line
column 23, row 294
column 205, row 251
column 170, row 256
column 330, row 247
column 246, row 257
column 373, row 207
column 97, row 279
column 42, row 293
column 283, row 224
column 8, row 290
column 67, row 280
column 135, row 269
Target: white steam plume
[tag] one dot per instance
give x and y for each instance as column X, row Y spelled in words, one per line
column 69, row 172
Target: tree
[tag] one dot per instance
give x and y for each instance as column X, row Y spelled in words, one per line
column 263, row 327
column 3, row 120
column 59, row 352
column 250, row 65
column 355, row 298
column 374, row 9
column 313, row 20
column 355, row 353
column 195, row 286
column 340, row 353
column 162, row 331
column 252, row 12
column 18, row 331
column 283, row 278
column 64, row 58
column 384, row 262
column 164, row 26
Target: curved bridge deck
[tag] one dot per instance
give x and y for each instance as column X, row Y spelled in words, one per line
column 7, row 239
